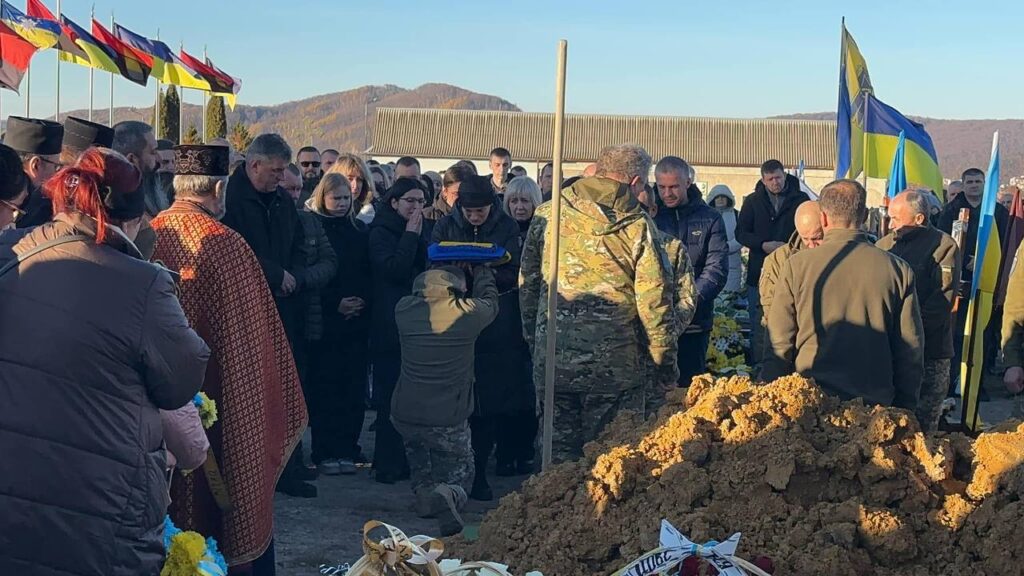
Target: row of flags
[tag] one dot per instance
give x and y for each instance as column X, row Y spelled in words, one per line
column 118, row 51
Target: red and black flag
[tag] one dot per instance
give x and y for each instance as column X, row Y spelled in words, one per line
column 134, row 64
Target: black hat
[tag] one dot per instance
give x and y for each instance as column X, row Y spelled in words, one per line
column 201, row 160
column 34, row 136
column 80, row 135
column 164, row 144
column 476, row 192
column 402, row 186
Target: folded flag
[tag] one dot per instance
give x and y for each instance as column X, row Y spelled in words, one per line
column 481, row 252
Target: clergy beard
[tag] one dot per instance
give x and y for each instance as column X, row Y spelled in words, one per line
column 165, row 180
column 155, row 197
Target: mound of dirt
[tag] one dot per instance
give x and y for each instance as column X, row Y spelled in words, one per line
column 817, row 485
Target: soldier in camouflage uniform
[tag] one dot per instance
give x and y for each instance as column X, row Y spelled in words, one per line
column 438, row 325
column 616, row 308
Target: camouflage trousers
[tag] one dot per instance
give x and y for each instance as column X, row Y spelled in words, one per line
column 934, row 385
column 580, row 417
column 437, row 455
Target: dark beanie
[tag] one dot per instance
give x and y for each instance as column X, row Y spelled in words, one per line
column 403, row 186
column 476, row 192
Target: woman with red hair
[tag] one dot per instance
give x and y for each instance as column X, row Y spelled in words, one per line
column 93, row 342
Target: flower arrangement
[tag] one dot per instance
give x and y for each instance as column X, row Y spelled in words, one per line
column 207, row 409
column 188, row 554
column 727, row 348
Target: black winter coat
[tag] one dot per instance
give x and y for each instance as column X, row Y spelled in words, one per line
column 350, row 241
column 504, row 381
column 93, row 341
column 759, row 222
column 700, row 228
column 320, row 267
column 397, row 257
column 951, row 213
column 273, row 231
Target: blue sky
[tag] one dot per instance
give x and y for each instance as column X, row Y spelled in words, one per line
column 733, row 59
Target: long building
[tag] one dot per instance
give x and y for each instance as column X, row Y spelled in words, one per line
column 722, row 151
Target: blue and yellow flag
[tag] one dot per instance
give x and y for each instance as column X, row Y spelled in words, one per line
column 898, row 173
column 867, row 129
column 40, row 33
column 987, row 257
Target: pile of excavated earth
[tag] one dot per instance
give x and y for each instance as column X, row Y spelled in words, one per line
column 819, row 486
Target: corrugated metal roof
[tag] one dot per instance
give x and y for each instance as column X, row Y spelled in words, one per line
column 438, row 133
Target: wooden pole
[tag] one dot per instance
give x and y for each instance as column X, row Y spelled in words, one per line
column 554, row 227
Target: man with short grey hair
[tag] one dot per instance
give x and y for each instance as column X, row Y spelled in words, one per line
column 684, row 215
column 846, row 313
column 613, row 275
column 264, row 214
column 935, row 259
column 137, row 141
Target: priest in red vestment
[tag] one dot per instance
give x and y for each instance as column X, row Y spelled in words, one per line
column 251, row 374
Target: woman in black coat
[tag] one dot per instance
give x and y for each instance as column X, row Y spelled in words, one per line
column 500, row 370
column 338, row 376
column 398, row 253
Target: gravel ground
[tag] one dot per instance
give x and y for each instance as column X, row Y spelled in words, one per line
column 328, row 529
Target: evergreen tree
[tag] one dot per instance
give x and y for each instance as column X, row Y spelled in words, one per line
column 170, row 109
column 240, row 137
column 216, row 119
column 192, row 135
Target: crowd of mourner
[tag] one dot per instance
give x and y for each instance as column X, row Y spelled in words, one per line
column 304, row 289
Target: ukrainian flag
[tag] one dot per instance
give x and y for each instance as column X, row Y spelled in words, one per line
column 167, row 67
column 987, row 257
column 98, row 55
column 40, row 33
column 868, row 130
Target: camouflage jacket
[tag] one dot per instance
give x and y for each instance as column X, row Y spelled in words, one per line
column 1013, row 314
column 616, row 308
column 680, row 275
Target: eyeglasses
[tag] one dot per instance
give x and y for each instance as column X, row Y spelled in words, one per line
column 15, row 211
column 419, row 201
column 309, row 164
column 57, row 164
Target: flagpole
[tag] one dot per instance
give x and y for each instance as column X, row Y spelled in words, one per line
column 28, row 91
column 864, row 136
column 92, row 71
column 111, row 122
column 56, row 114
column 181, row 105
column 156, row 105
column 205, row 96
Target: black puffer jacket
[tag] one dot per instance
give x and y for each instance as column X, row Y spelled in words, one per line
column 320, row 267
column 503, row 380
column 397, row 257
column 93, row 341
column 759, row 222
